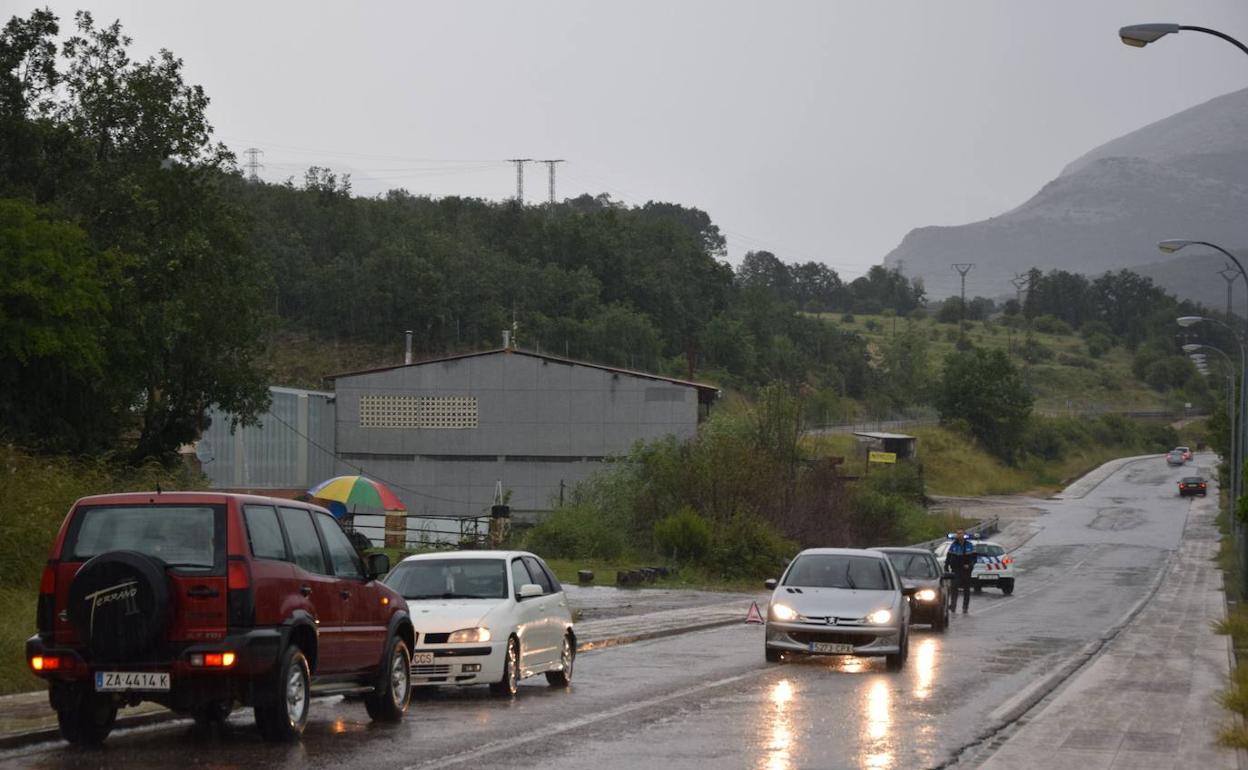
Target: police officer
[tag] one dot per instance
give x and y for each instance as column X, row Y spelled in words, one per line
column 960, row 560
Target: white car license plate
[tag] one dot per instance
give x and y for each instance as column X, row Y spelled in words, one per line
column 422, row 658
column 112, row 681
column 831, row 648
column 986, row 576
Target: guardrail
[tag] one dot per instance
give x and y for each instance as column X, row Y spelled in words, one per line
column 976, row 531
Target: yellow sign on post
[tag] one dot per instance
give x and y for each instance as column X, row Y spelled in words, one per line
column 882, row 457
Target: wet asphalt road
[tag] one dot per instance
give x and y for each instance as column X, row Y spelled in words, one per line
column 708, row 699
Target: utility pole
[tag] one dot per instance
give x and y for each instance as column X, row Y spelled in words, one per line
column 1020, row 281
column 253, row 163
column 963, row 269
column 550, row 173
column 1229, row 274
column 520, row 177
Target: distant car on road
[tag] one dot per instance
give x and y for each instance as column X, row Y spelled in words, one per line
column 486, row 617
column 1192, row 485
column 1175, row 457
column 839, row 601
column 993, row 567
column 918, row 569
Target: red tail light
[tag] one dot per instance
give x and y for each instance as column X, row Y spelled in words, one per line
column 213, row 660
column 45, row 663
column 45, row 607
column 238, row 577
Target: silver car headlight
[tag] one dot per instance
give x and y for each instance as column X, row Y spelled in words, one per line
column 479, row 634
column 925, row 595
column 880, row 617
column 783, row 612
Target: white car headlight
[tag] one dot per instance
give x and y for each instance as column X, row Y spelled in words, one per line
column 469, row 635
column 880, row 617
column 783, row 612
column 925, row 595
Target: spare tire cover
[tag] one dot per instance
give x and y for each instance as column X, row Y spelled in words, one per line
column 119, row 604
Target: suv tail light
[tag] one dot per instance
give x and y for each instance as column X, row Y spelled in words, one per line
column 45, row 609
column 241, row 599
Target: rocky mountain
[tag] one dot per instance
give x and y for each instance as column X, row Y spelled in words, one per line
column 1182, row 177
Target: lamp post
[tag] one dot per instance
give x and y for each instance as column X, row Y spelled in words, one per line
column 1237, row 445
column 1171, row 246
column 1140, row 35
column 1192, row 350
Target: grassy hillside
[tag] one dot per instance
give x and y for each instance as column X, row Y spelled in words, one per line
column 954, row 464
column 1070, row 380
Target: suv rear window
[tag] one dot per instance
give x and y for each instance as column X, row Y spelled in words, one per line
column 983, row 549
column 180, row 536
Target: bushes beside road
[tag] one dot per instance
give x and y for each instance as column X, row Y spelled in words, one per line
column 736, row 500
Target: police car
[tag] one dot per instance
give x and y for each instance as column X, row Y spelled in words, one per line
column 993, row 567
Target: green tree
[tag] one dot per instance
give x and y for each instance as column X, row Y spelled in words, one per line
column 124, row 148
column 982, row 388
column 54, row 306
column 907, row 366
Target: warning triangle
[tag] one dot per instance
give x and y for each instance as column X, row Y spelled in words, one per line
column 754, row 616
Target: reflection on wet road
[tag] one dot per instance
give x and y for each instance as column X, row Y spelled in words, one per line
column 708, row 699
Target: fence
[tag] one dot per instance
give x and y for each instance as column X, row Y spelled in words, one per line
column 427, row 531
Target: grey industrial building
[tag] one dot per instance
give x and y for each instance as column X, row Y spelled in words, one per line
column 449, row 431
column 446, row 433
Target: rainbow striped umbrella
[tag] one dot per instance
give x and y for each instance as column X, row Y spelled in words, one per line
column 352, row 491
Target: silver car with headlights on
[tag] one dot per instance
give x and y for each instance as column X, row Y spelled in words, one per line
column 839, row 601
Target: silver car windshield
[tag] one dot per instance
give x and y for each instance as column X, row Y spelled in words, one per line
column 817, row 570
column 450, row 579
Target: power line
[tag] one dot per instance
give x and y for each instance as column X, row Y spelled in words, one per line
column 1020, row 281
column 963, row 268
column 253, row 163
column 1229, row 274
column 520, row 177
column 550, row 169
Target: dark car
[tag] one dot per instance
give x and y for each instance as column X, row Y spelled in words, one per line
column 198, row 601
column 919, row 570
column 1192, row 485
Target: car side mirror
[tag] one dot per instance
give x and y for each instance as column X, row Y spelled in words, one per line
column 529, row 590
column 770, row 584
column 910, row 590
column 378, row 565
column 947, row 576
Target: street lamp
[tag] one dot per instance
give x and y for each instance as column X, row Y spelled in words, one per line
column 1140, row 35
column 1237, row 415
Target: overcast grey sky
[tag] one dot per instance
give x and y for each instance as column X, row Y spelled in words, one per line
column 817, row 130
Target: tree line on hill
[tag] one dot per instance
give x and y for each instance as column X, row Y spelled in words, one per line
column 141, row 275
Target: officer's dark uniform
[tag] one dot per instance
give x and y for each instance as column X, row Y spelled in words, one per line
column 961, row 560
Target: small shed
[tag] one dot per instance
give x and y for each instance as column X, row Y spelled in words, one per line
column 903, row 446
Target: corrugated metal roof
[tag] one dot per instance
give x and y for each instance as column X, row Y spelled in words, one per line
column 705, row 392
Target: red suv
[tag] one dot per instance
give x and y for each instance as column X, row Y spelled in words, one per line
column 198, row 601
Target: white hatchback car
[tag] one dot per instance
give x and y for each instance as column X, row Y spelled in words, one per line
column 486, row 617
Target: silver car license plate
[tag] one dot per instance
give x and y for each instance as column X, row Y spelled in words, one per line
column 117, row 681
column 422, row 658
column 827, row 647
